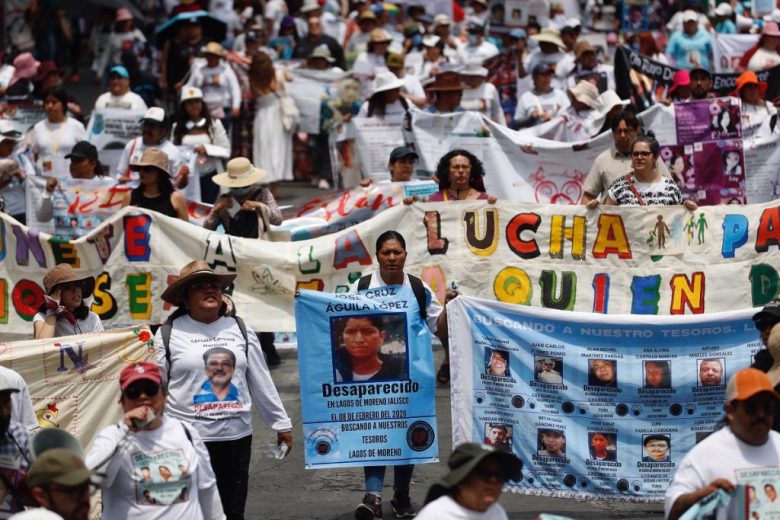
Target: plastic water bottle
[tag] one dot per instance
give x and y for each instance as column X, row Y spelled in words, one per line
column 272, row 451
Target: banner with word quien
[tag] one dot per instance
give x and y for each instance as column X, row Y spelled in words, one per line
column 601, row 408
column 367, row 389
column 74, row 380
column 611, row 260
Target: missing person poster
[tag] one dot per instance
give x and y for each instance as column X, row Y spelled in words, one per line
column 594, row 406
column 367, row 388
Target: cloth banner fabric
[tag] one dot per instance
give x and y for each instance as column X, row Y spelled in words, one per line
column 24, row 117
column 74, row 380
column 376, row 137
column 110, row 129
column 617, row 260
column 349, row 420
column 601, row 408
column 309, row 89
column 728, row 49
column 78, row 205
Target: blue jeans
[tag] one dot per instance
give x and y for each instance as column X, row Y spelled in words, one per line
column 375, row 478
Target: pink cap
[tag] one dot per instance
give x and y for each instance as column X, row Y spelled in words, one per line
column 682, row 78
column 123, row 14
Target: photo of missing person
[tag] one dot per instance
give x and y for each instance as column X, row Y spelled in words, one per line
column 499, row 436
column 634, row 18
column 497, row 363
column 548, row 370
column 732, row 163
column 725, row 122
column 603, row 446
column 551, row 442
column 657, row 448
column 602, row 372
column 711, row 372
column 220, row 364
column 657, row 374
column 369, row 348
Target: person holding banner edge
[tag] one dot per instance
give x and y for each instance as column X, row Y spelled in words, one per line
column 391, row 257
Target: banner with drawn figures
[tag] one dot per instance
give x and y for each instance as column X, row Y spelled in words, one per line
column 78, row 206
column 367, row 388
column 602, row 408
column 340, row 210
column 612, row 260
column 74, row 380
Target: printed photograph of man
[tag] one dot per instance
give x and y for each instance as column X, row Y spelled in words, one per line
column 711, row 372
column 657, row 374
column 497, row 363
column 220, row 365
column 603, row 372
column 499, row 436
column 551, row 371
column 369, row 348
column 657, row 448
column 771, row 493
column 551, row 443
column 602, row 446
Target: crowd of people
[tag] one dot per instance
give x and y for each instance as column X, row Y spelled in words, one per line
column 212, row 80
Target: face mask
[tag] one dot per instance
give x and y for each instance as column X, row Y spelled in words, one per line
column 473, row 39
column 240, row 192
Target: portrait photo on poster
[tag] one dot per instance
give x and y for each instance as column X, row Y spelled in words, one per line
column 548, row 370
column 602, row 372
column 550, row 442
column 657, row 447
column 219, row 364
column 657, row 374
column 499, row 436
column 369, row 348
column 603, row 446
column 711, row 371
column 497, row 363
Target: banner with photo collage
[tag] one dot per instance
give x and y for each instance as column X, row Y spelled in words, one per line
column 366, row 373
column 595, row 408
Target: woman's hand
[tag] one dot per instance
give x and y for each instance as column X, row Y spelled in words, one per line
column 592, row 204
column 252, row 205
column 408, row 201
column 200, row 150
column 492, row 199
column 183, row 177
column 346, row 118
column 689, row 204
column 285, row 437
column 222, row 203
column 136, row 415
column 235, row 112
column 365, row 182
column 51, row 185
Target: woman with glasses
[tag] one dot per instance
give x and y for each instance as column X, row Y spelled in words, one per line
column 645, row 185
column 460, row 176
column 216, row 374
column 154, row 465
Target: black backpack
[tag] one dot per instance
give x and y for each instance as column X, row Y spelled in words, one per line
column 417, row 288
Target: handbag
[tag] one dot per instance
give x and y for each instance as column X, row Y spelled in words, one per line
column 290, row 113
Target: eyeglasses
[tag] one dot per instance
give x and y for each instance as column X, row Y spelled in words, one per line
column 148, row 388
column 641, row 154
column 210, row 285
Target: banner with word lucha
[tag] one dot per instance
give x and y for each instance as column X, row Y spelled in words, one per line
column 367, row 390
column 74, row 380
column 601, row 408
column 611, row 260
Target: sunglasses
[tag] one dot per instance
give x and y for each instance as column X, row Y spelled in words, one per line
column 148, row 388
column 210, row 285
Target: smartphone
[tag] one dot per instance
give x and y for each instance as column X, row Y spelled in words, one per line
column 141, row 424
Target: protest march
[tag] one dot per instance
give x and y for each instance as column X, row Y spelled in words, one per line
column 529, row 246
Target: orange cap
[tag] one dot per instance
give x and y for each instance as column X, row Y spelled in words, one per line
column 746, row 78
column 748, row 382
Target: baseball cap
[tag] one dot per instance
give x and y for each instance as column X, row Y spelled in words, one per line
column 83, row 149
column 542, row 68
column 402, row 151
column 724, row 9
column 119, row 70
column 770, row 314
column 9, row 131
column 441, row 19
column 190, row 93
column 518, row 34
column 700, row 70
column 137, row 371
column 690, row 15
column 748, row 382
column 154, row 114
column 58, row 466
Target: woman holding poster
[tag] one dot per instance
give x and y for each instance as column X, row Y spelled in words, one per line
column 391, row 256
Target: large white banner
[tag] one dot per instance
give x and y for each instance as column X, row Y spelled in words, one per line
column 728, row 49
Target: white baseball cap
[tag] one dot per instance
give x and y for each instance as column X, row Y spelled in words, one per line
column 9, row 131
column 155, row 114
column 188, row 93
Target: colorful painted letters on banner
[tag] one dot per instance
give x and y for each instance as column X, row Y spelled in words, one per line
column 367, row 389
column 594, row 408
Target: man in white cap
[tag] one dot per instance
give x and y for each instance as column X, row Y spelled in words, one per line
column 154, row 131
column 14, row 169
column 746, row 442
column 14, row 444
column 692, row 47
column 723, row 22
column 479, row 95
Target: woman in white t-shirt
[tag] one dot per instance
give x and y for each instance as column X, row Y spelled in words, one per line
column 216, row 374
column 53, row 137
column 64, row 312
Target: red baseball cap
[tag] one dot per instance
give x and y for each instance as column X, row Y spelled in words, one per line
column 137, row 371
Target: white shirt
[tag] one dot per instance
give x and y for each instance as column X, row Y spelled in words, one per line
column 446, row 508
column 63, row 327
column 135, row 148
column 413, row 87
column 719, row 456
column 479, row 53
column 369, row 64
column 554, row 103
column 129, row 101
column 14, row 191
column 275, row 10
column 22, row 408
column 487, row 93
column 763, row 59
column 51, row 142
column 117, row 42
column 191, row 493
column 189, row 397
column 219, row 84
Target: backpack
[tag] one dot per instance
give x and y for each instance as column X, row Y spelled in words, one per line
column 417, row 288
column 165, row 334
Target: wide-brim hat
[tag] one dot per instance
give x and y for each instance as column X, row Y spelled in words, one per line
column 152, row 157
column 189, row 274
column 25, row 67
column 213, row 48
column 386, row 81
column 604, row 105
column 310, row 5
column 379, row 35
column 64, row 273
column 240, row 173
column 681, row 78
column 322, row 51
column 465, row 459
column 548, row 35
column 585, row 92
column 447, row 81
